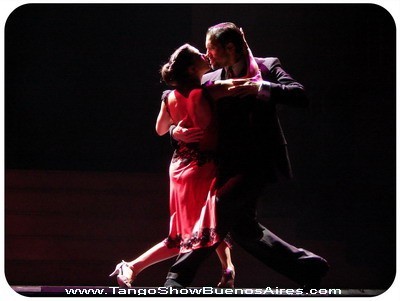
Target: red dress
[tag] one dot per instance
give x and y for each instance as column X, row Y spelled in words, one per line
column 192, row 173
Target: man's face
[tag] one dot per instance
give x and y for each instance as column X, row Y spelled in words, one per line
column 219, row 57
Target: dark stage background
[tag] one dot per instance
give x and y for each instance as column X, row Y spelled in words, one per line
column 82, row 96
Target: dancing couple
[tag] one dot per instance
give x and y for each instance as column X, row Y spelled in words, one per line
column 229, row 145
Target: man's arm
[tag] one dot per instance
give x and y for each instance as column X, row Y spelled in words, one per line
column 281, row 87
column 188, row 135
column 178, row 132
column 276, row 85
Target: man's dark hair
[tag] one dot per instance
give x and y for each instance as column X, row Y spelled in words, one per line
column 225, row 33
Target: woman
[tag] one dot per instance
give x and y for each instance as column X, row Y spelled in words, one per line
column 192, row 168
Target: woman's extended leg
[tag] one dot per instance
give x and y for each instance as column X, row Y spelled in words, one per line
column 157, row 253
column 127, row 271
column 228, row 269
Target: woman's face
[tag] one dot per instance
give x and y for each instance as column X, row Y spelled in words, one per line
column 201, row 61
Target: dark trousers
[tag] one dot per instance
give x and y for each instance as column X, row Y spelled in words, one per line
column 236, row 214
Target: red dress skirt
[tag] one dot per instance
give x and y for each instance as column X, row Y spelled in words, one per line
column 192, row 200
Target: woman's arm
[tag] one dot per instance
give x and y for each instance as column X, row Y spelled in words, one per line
column 219, row 88
column 163, row 120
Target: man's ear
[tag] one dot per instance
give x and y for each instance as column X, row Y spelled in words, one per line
column 230, row 47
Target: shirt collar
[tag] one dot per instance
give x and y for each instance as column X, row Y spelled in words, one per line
column 237, row 67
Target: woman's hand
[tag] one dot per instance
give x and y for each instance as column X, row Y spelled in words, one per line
column 238, row 87
column 244, row 87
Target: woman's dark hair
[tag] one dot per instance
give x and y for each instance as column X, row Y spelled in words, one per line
column 175, row 72
column 225, row 33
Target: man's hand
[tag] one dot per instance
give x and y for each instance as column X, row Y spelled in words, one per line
column 187, row 135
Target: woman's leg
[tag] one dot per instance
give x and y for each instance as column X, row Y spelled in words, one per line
column 157, row 253
column 228, row 270
column 126, row 272
column 224, row 254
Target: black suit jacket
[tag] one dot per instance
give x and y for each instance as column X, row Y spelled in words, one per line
column 251, row 140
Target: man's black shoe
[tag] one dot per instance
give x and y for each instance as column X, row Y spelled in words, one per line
column 172, row 281
column 317, row 268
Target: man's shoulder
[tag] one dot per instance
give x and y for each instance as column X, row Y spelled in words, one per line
column 268, row 62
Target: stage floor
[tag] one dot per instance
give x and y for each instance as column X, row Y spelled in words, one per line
column 109, row 291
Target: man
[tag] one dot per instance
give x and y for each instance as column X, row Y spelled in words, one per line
column 251, row 153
